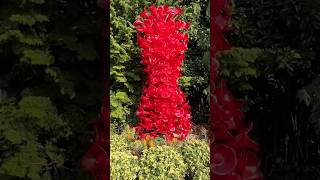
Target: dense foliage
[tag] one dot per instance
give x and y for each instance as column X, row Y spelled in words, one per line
column 156, row 159
column 195, row 154
column 50, row 87
column 274, row 66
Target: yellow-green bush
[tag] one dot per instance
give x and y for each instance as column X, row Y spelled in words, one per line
column 134, row 159
column 161, row 163
column 123, row 166
column 120, row 142
column 196, row 156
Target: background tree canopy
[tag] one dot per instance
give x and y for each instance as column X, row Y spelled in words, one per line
column 50, row 87
column 274, row 65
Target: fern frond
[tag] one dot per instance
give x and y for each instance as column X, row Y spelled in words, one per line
column 310, row 95
column 20, row 164
column 22, row 38
column 37, row 57
column 37, row 1
column 238, row 65
column 66, row 86
column 315, row 117
column 84, row 51
column 27, row 19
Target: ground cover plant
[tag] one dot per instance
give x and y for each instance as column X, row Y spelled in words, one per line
column 157, row 159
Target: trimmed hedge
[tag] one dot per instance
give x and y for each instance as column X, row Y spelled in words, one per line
column 161, row 163
column 124, row 166
column 196, row 156
column 135, row 159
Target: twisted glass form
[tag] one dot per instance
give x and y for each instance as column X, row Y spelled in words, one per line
column 163, row 110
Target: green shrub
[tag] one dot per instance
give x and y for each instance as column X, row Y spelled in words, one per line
column 118, row 142
column 162, row 163
column 123, row 165
column 126, row 141
column 196, row 156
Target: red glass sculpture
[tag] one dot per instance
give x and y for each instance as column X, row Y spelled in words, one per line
column 163, row 109
column 233, row 153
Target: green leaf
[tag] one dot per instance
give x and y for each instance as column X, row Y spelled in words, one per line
column 26, row 163
column 40, row 108
column 27, row 19
column 14, row 136
column 37, row 57
column 123, row 97
column 37, row 1
column 53, row 153
column 66, row 86
column 21, row 37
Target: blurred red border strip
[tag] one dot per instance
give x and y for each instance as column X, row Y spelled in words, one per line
column 233, row 156
column 97, row 158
